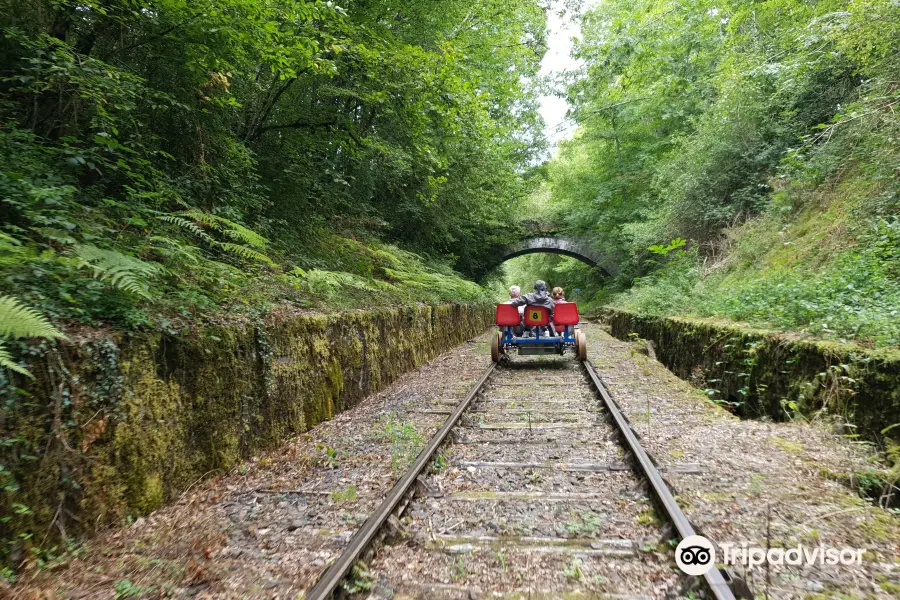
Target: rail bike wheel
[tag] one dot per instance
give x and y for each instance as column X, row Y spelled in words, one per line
column 495, row 348
column 580, row 346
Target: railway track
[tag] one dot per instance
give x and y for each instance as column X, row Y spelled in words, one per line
column 534, row 487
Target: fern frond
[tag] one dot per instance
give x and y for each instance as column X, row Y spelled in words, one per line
column 8, row 240
column 20, row 321
column 11, row 250
column 208, row 219
column 6, row 361
column 178, row 248
column 245, row 252
column 122, row 271
column 325, row 283
column 248, row 236
column 129, row 282
column 385, row 258
column 187, row 225
column 235, row 231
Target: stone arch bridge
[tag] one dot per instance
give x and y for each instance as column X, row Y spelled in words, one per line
column 561, row 244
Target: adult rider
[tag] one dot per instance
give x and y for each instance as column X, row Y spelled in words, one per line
column 539, row 297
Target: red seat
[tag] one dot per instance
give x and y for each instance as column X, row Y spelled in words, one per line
column 507, row 315
column 565, row 314
column 537, row 316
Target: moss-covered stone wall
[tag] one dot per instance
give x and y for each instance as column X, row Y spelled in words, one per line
column 764, row 373
column 114, row 425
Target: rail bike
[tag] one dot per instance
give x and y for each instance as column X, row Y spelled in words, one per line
column 531, row 334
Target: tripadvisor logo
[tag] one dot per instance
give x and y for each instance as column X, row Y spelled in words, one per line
column 696, row 555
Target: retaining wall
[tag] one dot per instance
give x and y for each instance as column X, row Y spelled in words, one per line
column 114, row 425
column 767, row 374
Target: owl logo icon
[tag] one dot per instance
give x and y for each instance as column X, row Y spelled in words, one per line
column 695, row 555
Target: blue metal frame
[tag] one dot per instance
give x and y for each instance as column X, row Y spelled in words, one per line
column 508, row 340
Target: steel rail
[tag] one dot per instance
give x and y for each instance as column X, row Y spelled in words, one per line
column 334, row 575
column 714, row 578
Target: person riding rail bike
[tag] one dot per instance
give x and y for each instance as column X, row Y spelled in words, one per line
column 539, row 297
column 516, row 292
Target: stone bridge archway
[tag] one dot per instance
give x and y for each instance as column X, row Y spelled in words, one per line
column 558, row 244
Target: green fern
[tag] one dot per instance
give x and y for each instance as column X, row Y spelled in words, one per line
column 19, row 321
column 11, row 250
column 437, row 285
column 325, row 283
column 194, row 220
column 245, row 252
column 393, row 275
column 169, row 248
column 6, row 361
column 229, row 228
column 187, row 225
column 8, row 240
column 123, row 272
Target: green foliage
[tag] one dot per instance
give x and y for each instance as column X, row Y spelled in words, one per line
column 439, row 464
column 123, row 272
column 698, row 118
column 573, row 570
column 585, row 523
column 383, row 275
column 250, row 245
column 127, row 589
column 404, row 440
column 347, row 495
column 664, row 250
column 361, row 579
column 330, row 457
column 459, row 571
column 852, row 297
column 19, row 321
column 667, row 290
column 330, row 284
column 194, row 179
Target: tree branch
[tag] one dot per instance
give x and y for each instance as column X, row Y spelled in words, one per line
column 299, row 124
column 254, row 130
column 163, row 34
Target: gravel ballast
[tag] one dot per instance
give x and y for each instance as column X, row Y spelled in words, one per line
column 512, row 516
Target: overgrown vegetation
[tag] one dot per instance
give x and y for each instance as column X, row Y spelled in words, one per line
column 169, row 163
column 18, row 321
column 404, row 440
column 173, row 161
column 764, row 134
column 177, row 163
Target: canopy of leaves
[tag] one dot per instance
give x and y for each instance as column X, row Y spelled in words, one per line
column 711, row 131
column 164, row 160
